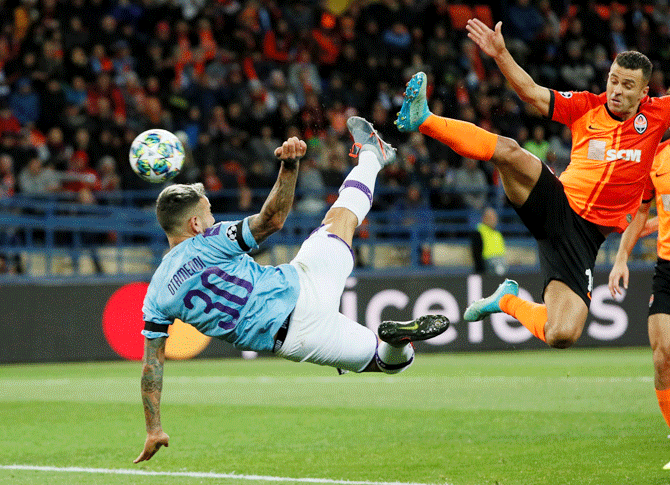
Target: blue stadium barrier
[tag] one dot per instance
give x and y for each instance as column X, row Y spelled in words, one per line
column 119, row 237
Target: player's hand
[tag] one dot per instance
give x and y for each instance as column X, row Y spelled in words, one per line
column 491, row 42
column 619, row 272
column 152, row 445
column 291, row 151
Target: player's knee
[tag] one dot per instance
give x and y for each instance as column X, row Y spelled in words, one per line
column 560, row 338
column 661, row 357
column 507, row 152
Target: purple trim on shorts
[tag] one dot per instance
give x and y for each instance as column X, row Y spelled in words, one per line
column 345, row 243
column 355, row 184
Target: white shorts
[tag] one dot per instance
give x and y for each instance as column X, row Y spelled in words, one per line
column 318, row 332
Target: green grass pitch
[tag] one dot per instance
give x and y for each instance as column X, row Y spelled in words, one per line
column 505, row 418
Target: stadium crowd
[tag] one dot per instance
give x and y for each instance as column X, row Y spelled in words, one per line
column 79, row 79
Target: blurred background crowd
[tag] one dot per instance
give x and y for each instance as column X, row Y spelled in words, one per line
column 79, row 79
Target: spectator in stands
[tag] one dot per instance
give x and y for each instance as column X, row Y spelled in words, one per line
column 331, row 146
column 105, row 89
column 413, row 213
column 303, row 77
column 577, row 73
column 488, row 245
column 538, row 144
column 192, row 125
column 7, row 177
column 597, row 31
column 80, row 175
column 262, row 148
column 560, row 147
column 471, row 184
column 36, row 178
column 279, row 44
column 523, row 24
column 8, row 122
column 50, row 62
column 311, row 188
column 312, row 118
column 280, row 91
column 76, row 35
column 260, row 176
column 210, row 178
column 617, row 34
column 204, row 152
column 110, row 180
column 657, row 83
column 398, row 40
column 334, row 173
column 123, row 62
column 58, row 151
column 25, row 148
column 76, row 93
column 77, row 64
column 24, row 102
column 52, row 104
column 103, row 144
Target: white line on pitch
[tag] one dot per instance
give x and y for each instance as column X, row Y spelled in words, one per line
column 121, row 471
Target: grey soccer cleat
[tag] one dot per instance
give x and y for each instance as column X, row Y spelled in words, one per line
column 423, row 328
column 367, row 138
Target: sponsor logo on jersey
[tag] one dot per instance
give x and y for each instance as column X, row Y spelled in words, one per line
column 565, row 94
column 640, row 123
column 628, row 155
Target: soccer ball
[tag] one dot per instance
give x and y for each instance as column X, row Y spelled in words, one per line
column 156, row 155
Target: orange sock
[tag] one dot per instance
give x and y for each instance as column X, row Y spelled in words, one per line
column 664, row 403
column 533, row 316
column 466, row 139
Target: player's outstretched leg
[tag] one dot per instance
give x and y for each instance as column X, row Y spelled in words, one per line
column 466, row 139
column 395, row 352
column 491, row 304
column 357, row 191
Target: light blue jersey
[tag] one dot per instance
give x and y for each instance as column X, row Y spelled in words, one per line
column 210, row 282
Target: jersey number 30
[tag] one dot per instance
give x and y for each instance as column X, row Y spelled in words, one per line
column 235, row 301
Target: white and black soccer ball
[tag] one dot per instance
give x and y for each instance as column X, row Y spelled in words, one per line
column 156, row 155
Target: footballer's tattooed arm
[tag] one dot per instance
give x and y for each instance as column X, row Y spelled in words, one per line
column 275, row 210
column 152, row 385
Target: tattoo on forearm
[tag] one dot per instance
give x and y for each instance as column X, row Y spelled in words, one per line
column 277, row 205
column 152, row 380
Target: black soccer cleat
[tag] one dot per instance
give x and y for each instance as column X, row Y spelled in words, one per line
column 423, row 328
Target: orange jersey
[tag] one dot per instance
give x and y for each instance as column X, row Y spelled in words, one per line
column 660, row 178
column 610, row 159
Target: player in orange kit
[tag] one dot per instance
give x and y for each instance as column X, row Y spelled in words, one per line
column 614, row 138
column 659, row 305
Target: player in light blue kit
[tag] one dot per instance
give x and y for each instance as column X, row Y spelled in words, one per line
column 208, row 280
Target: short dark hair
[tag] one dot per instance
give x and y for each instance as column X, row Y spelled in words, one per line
column 635, row 60
column 174, row 202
